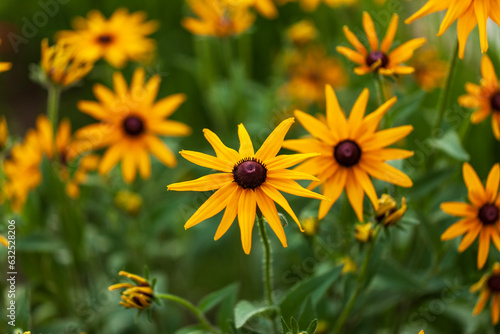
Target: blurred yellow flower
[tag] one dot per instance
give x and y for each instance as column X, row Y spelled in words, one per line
column 364, row 232
column 310, row 226
column 265, row 7
column 481, row 217
column 350, row 151
column 217, row 18
column 138, row 295
column 128, row 201
column 388, row 212
column 349, row 266
column 311, row 5
column 4, row 241
column 489, row 286
column 4, row 66
column 309, row 72
column 130, row 123
column 302, row 33
column 379, row 59
column 117, row 40
column 468, row 13
column 484, row 97
column 248, row 180
column 60, row 64
column 430, row 71
column 4, row 133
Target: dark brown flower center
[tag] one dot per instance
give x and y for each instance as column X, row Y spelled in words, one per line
column 249, row 174
column 494, row 283
column 133, row 126
column 495, row 102
column 347, row 153
column 488, row 214
column 375, row 56
column 105, row 39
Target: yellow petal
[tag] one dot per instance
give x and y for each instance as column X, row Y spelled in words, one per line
column 268, row 209
column 229, row 214
column 386, row 137
column 205, row 160
column 459, row 228
column 334, row 115
column 488, row 71
column 492, row 183
column 482, row 9
column 246, row 147
column 483, row 298
column 315, row 127
column 352, row 55
column 484, row 247
column 469, row 238
column 355, row 194
column 459, row 209
column 246, row 218
column 354, row 41
column 204, row 183
column 221, row 150
column 292, row 187
column 161, row 151
column 389, row 35
column 357, row 113
column 367, row 185
column 370, row 31
column 387, row 173
column 474, row 185
column 276, row 196
column 332, row 190
column 168, row 105
column 272, row 144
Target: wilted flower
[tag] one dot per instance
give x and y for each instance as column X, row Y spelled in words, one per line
column 364, row 232
column 388, row 212
column 138, row 295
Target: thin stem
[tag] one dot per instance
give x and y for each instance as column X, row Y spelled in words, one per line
column 359, row 285
column 268, row 277
column 379, row 85
column 54, row 94
column 196, row 312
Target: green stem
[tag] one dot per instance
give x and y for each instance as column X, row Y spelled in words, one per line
column 379, row 86
column 54, row 94
column 268, row 277
column 359, row 285
column 196, row 312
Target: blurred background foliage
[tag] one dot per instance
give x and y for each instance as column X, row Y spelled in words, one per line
column 69, row 252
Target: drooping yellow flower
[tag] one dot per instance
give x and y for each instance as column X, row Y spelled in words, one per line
column 309, row 72
column 302, row 33
column 217, row 18
column 117, row 40
column 480, row 218
column 311, row 5
column 4, row 66
column 380, row 59
column 364, row 232
column 4, row 133
column 130, row 123
column 4, row 241
column 489, row 286
column 60, row 64
column 247, row 180
column 351, row 150
column 388, row 212
column 138, row 295
column 430, row 71
column 484, row 97
column 265, row 7
column 468, row 13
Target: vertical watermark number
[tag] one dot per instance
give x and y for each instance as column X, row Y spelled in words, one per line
column 11, row 273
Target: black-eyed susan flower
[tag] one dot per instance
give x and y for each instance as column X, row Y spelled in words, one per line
column 247, row 181
column 138, row 295
column 4, row 66
column 302, row 33
column 351, row 150
column 430, row 71
column 309, row 72
column 4, row 241
column 388, row 212
column 468, row 13
column 364, row 232
column 130, row 123
column 479, row 218
column 118, row 39
column 60, row 65
column 218, row 18
column 489, row 287
column 379, row 58
column 484, row 97
column 4, row 133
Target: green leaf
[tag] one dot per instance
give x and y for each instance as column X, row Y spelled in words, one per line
column 451, row 145
column 306, row 313
column 314, row 287
column 195, row 329
column 217, row 297
column 284, row 326
column 312, row 326
column 295, row 326
column 245, row 310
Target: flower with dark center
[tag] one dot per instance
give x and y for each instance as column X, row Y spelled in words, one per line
column 489, row 287
column 376, row 56
column 494, row 283
column 347, row 153
column 138, row 295
column 249, row 174
column 495, row 102
column 480, row 218
column 105, row 39
column 133, row 126
column 488, row 214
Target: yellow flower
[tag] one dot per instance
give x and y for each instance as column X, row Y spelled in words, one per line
column 117, row 40
column 429, row 70
column 489, row 286
column 484, row 97
column 468, row 13
column 310, row 226
column 128, row 201
column 350, row 151
column 60, row 64
column 4, row 133
column 311, row 5
column 4, row 241
column 379, row 59
column 264, row 7
column 248, row 180
column 302, row 33
column 388, row 212
column 217, row 18
column 309, row 73
column 480, row 218
column 3, row 65
column 349, row 266
column 131, row 121
column 139, row 295
column 364, row 232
